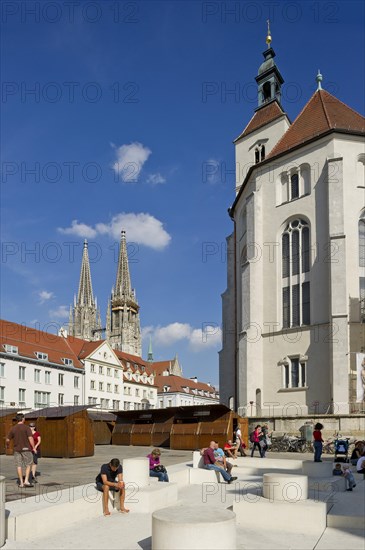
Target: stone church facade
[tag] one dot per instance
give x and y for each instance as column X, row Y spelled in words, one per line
column 294, row 307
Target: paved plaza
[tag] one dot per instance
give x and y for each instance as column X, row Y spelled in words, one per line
column 133, row 531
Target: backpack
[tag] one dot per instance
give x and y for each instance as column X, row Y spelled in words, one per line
column 252, row 437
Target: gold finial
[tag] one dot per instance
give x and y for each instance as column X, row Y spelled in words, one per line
column 268, row 38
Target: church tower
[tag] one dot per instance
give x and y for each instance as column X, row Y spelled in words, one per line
column 123, row 328
column 85, row 319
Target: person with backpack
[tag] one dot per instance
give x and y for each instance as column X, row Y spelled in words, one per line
column 255, row 440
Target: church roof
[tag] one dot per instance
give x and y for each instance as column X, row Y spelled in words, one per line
column 262, row 116
column 178, row 384
column 321, row 114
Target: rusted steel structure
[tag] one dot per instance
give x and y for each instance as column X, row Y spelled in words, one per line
column 187, row 428
column 66, row 431
column 102, row 425
column 7, row 421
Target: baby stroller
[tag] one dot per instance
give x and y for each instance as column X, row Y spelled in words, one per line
column 341, row 450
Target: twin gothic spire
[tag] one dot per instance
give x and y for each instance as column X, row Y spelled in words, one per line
column 122, row 320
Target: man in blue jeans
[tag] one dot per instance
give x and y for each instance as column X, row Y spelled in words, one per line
column 210, row 463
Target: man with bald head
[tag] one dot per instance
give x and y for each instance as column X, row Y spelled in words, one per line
column 210, row 460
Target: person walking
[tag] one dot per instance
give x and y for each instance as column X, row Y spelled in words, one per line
column 23, row 448
column 256, row 436
column 317, row 442
column 37, row 451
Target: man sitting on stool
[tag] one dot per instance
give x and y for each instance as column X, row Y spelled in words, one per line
column 107, row 481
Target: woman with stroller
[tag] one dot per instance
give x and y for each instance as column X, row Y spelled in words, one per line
column 318, row 442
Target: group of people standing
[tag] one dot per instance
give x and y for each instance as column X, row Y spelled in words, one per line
column 27, row 450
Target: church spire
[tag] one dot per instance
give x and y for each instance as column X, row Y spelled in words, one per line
column 123, row 281
column 85, row 319
column 269, row 79
column 123, row 325
column 85, row 295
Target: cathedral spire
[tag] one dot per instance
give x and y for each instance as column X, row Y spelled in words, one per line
column 85, row 295
column 85, row 319
column 123, row 281
column 123, row 325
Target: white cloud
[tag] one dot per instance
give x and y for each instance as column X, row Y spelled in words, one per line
column 141, row 228
column 79, row 229
column 62, row 312
column 199, row 339
column 156, row 179
column 44, row 296
column 130, row 161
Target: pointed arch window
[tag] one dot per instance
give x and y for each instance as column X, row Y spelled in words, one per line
column 296, row 274
column 257, row 155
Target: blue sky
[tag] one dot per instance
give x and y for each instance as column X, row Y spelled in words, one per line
column 130, row 125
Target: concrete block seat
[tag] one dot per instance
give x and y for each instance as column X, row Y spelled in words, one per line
column 193, row 528
column 317, row 469
column 284, row 505
column 199, row 474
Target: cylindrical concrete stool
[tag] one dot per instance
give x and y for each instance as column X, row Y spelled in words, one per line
column 288, row 487
column 2, row 510
column 136, row 470
column 193, row 528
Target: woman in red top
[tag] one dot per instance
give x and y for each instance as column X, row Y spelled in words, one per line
column 37, row 450
column 317, row 443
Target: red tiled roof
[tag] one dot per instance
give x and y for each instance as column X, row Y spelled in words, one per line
column 160, row 366
column 178, row 383
column 262, row 116
column 29, row 341
column 133, row 360
column 322, row 113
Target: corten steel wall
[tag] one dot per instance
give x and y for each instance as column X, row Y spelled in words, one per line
column 141, row 434
column 66, row 437
column 7, row 421
column 122, row 434
column 184, row 436
column 102, row 430
column 161, row 434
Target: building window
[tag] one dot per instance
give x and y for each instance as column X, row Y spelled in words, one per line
column 92, row 400
column 92, row 369
column 116, row 405
column 41, row 355
column 295, row 249
column 116, row 373
column 41, row 399
column 21, row 373
column 101, row 370
column 294, row 186
column 60, row 398
column 60, row 379
column 169, row 403
column 37, row 375
column 11, row 349
column 144, row 393
column 68, row 362
column 2, row 395
column 262, row 152
column 116, row 388
column 295, row 373
column 137, row 392
column 47, row 377
column 22, row 397
column 76, row 400
column 2, row 370
column 92, row 384
column 257, row 155
column 108, row 371
column 76, row 381
column 108, row 387
column 101, row 386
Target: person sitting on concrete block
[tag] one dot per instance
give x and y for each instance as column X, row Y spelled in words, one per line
column 221, row 460
column 230, row 449
column 210, row 463
column 110, row 478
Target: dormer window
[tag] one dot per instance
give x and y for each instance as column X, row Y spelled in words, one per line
column 40, row 355
column 68, row 362
column 11, row 349
column 166, row 388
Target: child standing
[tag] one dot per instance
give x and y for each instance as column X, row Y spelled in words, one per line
column 337, row 470
column 349, row 477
